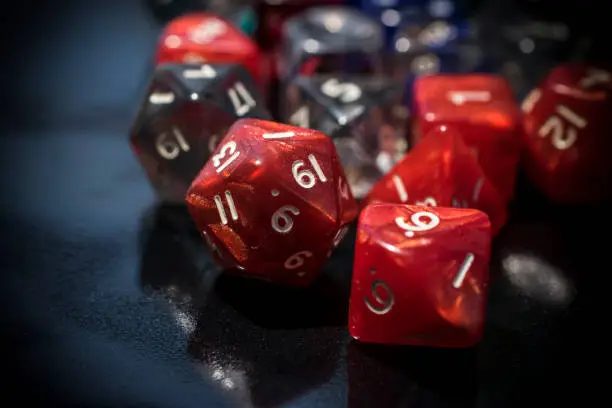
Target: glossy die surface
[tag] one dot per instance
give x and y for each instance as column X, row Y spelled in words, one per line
column 420, row 276
column 441, row 171
column 397, row 17
column 567, row 134
column 329, row 39
column 241, row 13
column 186, row 111
column 431, row 47
column 272, row 201
column 274, row 13
column 364, row 116
column 482, row 108
column 203, row 37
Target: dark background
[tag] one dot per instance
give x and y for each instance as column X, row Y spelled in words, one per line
column 105, row 303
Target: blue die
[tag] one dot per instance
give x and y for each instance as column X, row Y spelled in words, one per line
column 428, row 53
column 394, row 14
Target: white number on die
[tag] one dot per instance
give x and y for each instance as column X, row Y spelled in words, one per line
column 207, row 31
column 205, row 71
column 170, row 147
column 461, row 97
column 416, row 223
column 530, row 100
column 282, row 221
column 340, row 235
column 306, row 178
column 161, row 98
column 343, row 189
column 347, row 92
column 238, row 92
column 228, row 148
column 230, row 205
column 383, row 304
column 563, row 127
column 301, row 117
column 428, row 201
column 297, row 260
column 596, row 77
column 400, row 188
column 463, row 271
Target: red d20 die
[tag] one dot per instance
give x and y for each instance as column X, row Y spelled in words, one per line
column 272, row 201
column 567, row 134
column 482, row 108
column 420, row 276
column 200, row 37
column 441, row 171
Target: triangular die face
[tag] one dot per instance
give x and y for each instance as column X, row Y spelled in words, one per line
column 236, row 92
column 441, row 166
column 299, row 109
column 197, row 79
column 347, row 98
column 182, row 139
column 465, row 174
column 305, row 165
column 228, row 85
column 163, row 94
column 340, row 28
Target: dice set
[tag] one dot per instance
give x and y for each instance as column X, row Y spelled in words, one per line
column 412, row 143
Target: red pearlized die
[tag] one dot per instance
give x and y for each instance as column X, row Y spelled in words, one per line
column 482, row 108
column 272, row 201
column 420, row 276
column 201, row 37
column 567, row 134
column 441, row 171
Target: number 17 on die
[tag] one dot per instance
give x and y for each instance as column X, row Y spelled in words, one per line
column 272, row 201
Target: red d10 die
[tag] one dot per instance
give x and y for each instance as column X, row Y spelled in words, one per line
column 272, row 201
column 441, row 171
column 420, row 276
column 482, row 108
column 567, row 134
column 200, row 37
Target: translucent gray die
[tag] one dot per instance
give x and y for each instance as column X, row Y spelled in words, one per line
column 430, row 47
column 330, row 39
column 364, row 115
column 185, row 113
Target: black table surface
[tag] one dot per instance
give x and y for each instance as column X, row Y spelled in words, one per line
column 107, row 304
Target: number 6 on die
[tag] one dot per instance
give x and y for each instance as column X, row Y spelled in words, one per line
column 281, row 221
column 417, row 224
